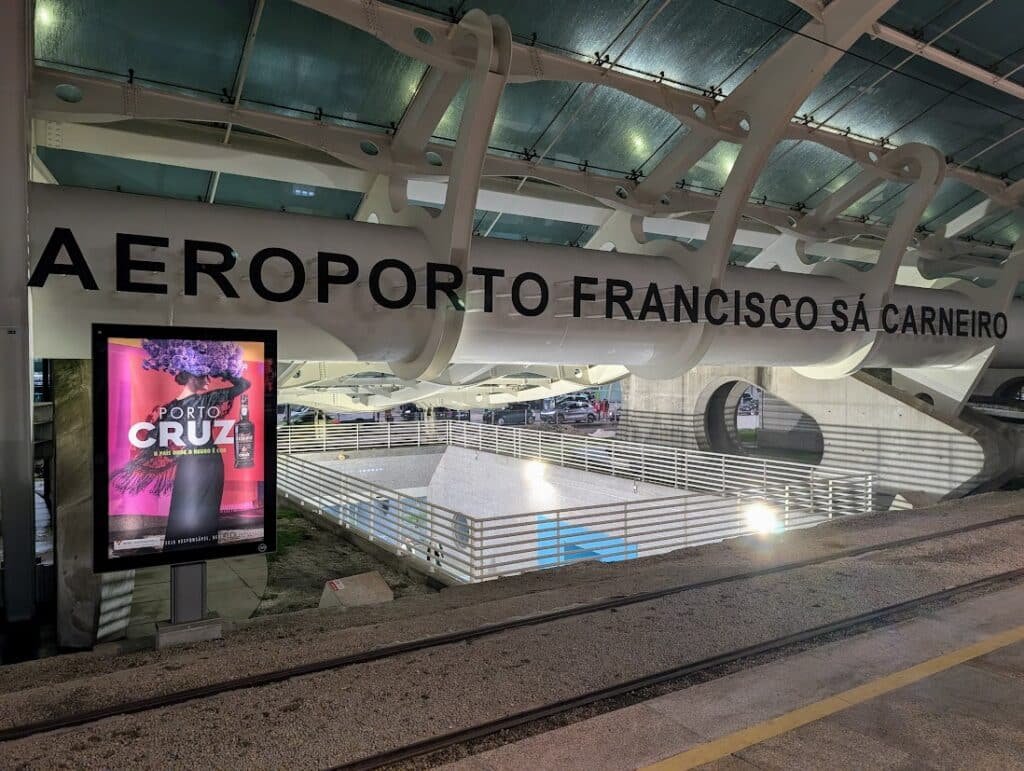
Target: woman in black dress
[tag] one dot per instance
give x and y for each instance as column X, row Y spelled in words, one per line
column 194, row 473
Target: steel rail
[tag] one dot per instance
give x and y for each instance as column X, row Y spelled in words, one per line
column 489, row 728
column 85, row 717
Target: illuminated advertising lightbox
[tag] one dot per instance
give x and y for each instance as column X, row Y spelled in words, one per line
column 184, row 443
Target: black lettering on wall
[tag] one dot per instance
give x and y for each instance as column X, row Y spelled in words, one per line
column 215, row 270
column 324, row 277
column 489, row 275
column 375, row 289
column 517, row 289
column 652, row 303
column 125, row 264
column 261, row 258
column 709, row 306
column 579, row 296
column 614, row 297
column 691, row 304
column 448, row 286
column 62, row 239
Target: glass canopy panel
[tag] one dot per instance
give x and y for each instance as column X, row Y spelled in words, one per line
column 710, row 172
column 797, row 170
column 962, row 129
column 867, row 205
column 102, row 172
column 526, row 109
column 286, row 196
column 519, row 228
column 847, row 173
column 1002, row 230
column 946, row 204
column 987, row 38
column 953, row 199
column 194, row 45
column 304, row 60
column 577, row 26
column 703, row 43
column 612, row 130
column 866, row 61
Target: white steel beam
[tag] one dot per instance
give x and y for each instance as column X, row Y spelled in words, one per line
column 949, row 61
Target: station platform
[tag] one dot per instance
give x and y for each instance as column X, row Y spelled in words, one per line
column 943, row 690
column 330, row 689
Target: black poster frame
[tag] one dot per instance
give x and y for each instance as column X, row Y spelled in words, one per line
column 101, row 334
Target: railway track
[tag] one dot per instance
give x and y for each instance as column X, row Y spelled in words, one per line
column 483, row 730
column 85, row 717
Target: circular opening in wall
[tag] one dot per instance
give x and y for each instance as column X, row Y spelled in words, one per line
column 434, row 159
column 423, row 36
column 665, row 200
column 621, row 192
column 927, row 399
column 68, row 93
column 369, row 147
column 699, row 111
column 873, row 156
column 744, row 124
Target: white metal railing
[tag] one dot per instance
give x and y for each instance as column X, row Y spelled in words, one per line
column 721, row 493
column 823, row 489
column 438, row 538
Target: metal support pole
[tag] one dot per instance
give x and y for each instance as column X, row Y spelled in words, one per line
column 17, row 512
column 188, row 592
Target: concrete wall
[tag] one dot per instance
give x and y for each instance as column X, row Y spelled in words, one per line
column 398, row 471
column 866, row 424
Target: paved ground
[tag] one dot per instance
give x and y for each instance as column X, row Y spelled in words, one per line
column 325, row 719
column 925, row 693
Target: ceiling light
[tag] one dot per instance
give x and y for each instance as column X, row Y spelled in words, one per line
column 44, row 16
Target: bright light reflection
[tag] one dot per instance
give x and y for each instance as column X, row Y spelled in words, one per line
column 534, row 471
column 44, row 16
column 760, row 518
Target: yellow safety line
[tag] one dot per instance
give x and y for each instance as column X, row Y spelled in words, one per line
column 747, row 737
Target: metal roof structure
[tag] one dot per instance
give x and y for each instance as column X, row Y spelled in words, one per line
column 733, row 126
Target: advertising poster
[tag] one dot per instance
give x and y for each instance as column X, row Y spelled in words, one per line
column 184, row 444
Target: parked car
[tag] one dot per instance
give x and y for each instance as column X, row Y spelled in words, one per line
column 351, row 417
column 410, row 411
column 448, row 413
column 570, row 411
column 509, row 416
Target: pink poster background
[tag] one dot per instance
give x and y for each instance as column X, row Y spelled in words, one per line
column 132, row 395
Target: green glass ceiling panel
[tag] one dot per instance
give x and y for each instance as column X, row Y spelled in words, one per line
column 948, row 206
column 703, row 43
column 304, row 60
column 518, row 228
column 961, row 129
column 610, row 129
column 286, row 196
column 848, row 172
column 874, row 200
column 867, row 61
column 711, row 171
column 1004, row 230
column 525, row 111
column 191, row 44
column 944, row 206
column 795, row 171
column 105, row 173
column 580, row 26
column 989, row 37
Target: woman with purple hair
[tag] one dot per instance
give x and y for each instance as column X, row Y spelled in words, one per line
column 194, row 471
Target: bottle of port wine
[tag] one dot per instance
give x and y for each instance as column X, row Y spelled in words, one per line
column 245, row 437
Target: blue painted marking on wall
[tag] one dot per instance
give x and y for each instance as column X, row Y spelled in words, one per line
column 578, row 543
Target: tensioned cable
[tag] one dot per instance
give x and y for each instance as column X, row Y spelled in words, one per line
column 592, row 90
